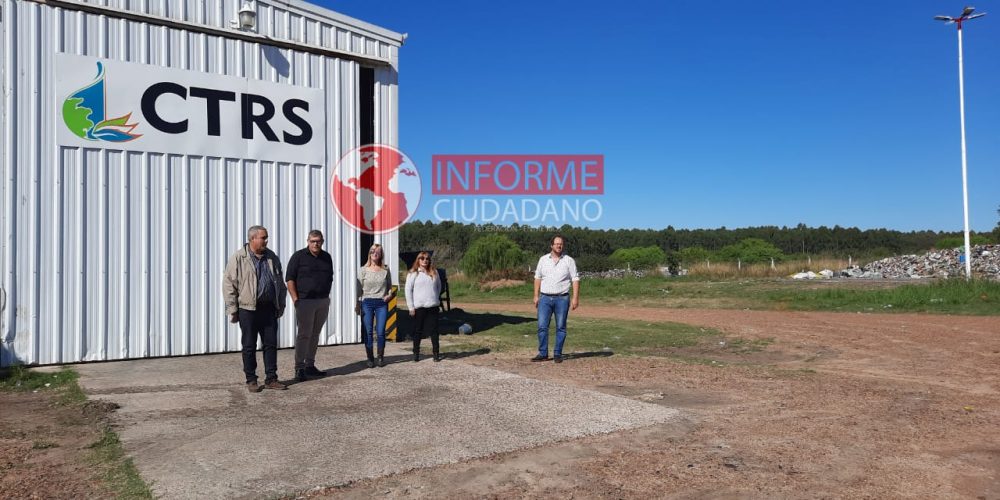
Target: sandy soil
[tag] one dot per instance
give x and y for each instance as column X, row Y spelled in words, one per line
column 44, row 447
column 835, row 406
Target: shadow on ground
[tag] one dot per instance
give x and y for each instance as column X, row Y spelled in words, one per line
column 362, row 365
column 592, row 354
column 450, row 321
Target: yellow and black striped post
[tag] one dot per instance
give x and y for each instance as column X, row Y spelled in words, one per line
column 390, row 321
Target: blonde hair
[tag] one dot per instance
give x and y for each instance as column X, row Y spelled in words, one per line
column 381, row 260
column 431, row 270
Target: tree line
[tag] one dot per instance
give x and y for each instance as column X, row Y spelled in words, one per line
column 593, row 248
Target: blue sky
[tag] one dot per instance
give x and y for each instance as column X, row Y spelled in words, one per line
column 714, row 114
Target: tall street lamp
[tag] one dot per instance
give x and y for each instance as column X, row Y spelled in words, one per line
column 967, row 15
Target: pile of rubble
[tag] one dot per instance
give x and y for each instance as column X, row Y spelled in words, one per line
column 937, row 264
column 809, row 275
column 613, row 273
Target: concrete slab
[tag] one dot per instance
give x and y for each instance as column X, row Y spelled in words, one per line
column 195, row 432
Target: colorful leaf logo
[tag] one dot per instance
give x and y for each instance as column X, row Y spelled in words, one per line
column 85, row 110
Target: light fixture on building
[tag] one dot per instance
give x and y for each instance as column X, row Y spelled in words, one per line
column 246, row 18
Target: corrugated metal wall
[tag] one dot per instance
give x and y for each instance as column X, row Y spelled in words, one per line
column 112, row 254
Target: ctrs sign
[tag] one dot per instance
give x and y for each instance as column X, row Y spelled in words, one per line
column 256, row 112
column 149, row 108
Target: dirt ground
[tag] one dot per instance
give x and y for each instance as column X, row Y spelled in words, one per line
column 834, row 406
column 44, row 447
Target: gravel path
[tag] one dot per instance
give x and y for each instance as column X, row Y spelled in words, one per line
column 836, row 406
column 195, row 432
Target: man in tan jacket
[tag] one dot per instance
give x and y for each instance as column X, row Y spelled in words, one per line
column 254, row 291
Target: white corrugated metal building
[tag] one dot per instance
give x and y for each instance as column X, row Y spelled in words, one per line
column 114, row 248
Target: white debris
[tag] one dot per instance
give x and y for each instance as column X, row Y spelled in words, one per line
column 938, row 264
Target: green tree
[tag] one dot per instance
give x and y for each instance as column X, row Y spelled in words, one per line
column 493, row 252
column 591, row 262
column 750, row 251
column 959, row 241
column 638, row 257
column 689, row 255
column 996, row 230
column 673, row 262
column 593, row 247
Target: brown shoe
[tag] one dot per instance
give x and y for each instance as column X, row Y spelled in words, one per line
column 253, row 387
column 274, row 384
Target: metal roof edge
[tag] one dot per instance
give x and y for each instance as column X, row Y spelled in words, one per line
column 334, row 16
column 211, row 30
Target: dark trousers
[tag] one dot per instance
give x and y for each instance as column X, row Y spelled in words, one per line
column 263, row 322
column 310, row 316
column 425, row 323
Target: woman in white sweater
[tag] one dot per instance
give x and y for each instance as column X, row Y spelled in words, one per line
column 423, row 299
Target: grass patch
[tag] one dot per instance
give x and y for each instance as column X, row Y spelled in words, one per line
column 106, row 454
column 695, row 360
column 9, row 434
column 796, row 373
column 72, row 393
column 732, row 270
column 469, row 291
column 120, row 472
column 588, row 335
column 43, row 445
column 977, row 297
column 743, row 346
column 613, row 290
column 463, row 347
column 955, row 296
column 62, row 382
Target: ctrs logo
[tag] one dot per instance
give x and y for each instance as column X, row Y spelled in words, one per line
column 85, row 113
column 375, row 188
column 255, row 111
column 186, row 112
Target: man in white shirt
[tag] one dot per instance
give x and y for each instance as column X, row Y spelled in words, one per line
column 555, row 274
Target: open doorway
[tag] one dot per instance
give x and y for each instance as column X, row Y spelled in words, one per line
column 366, row 132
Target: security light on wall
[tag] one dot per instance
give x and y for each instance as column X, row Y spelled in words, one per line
column 247, row 18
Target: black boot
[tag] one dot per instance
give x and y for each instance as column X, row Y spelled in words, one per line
column 437, row 355
column 416, row 349
column 381, row 355
column 371, row 357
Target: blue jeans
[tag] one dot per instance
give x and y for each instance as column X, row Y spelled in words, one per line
column 547, row 305
column 380, row 309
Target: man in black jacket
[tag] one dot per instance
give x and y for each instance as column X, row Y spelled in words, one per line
column 310, row 278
